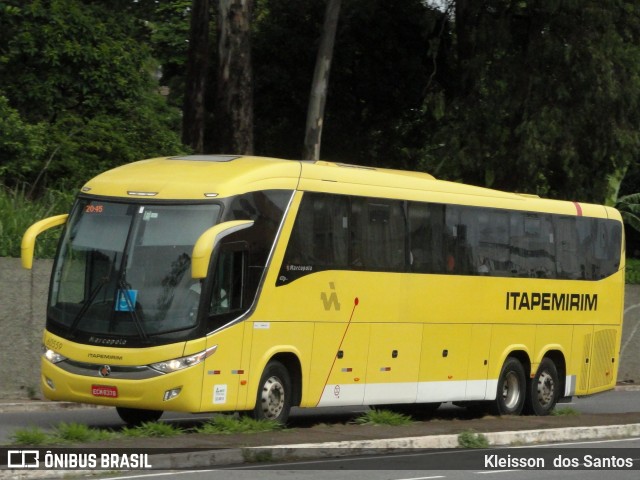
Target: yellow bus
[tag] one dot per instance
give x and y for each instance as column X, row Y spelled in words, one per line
column 221, row 283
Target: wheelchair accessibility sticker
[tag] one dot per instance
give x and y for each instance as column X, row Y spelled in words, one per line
column 126, row 300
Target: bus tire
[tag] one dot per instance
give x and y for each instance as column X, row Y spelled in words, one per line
column 544, row 389
column 511, row 391
column 138, row 416
column 273, row 401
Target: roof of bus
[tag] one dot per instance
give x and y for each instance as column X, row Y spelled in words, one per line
column 197, row 177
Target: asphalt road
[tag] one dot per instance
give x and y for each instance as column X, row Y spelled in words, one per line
column 444, row 464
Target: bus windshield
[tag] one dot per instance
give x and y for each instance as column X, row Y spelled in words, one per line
column 123, row 270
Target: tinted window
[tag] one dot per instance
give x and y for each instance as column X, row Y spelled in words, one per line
column 377, row 234
column 338, row 232
column 239, row 266
column 359, row 233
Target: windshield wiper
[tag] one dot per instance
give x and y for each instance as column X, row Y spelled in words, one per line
column 131, row 308
column 92, row 296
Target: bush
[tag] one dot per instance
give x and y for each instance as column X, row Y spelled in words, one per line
column 18, row 212
column 79, row 433
column 565, row 412
column 470, row 439
column 153, row 429
column 383, row 417
column 632, row 273
column 32, row 436
column 227, row 424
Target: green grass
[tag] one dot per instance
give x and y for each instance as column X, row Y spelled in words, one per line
column 31, row 436
column 226, row 424
column 69, row 433
column 79, row 433
column 153, row 429
column 383, row 417
column 62, row 433
column 565, row 412
column 18, row 212
column 471, row 439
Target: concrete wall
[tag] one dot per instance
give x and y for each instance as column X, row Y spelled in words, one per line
column 23, row 298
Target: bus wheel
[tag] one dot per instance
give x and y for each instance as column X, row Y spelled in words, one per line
column 274, row 394
column 137, row 416
column 511, row 391
column 544, row 389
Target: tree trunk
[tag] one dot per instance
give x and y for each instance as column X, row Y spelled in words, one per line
column 234, row 111
column 467, row 14
column 197, row 62
column 319, row 86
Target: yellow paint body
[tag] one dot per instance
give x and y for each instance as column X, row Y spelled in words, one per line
column 359, row 337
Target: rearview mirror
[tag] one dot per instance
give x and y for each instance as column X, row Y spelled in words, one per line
column 29, row 238
column 205, row 244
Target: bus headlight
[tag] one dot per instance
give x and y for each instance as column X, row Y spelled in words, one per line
column 52, row 356
column 169, row 366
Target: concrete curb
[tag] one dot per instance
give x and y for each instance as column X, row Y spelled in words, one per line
column 43, row 406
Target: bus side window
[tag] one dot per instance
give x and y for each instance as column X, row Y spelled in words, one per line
column 596, row 237
column 330, row 222
column 420, row 237
column 319, row 238
column 377, row 234
column 427, row 239
column 229, row 276
column 458, row 234
column 491, row 255
column 568, row 248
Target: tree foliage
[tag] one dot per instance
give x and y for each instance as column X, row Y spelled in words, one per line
column 79, row 85
column 538, row 96
column 545, row 98
column 380, row 67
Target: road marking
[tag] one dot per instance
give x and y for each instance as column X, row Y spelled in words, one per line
column 632, row 439
column 497, row 471
column 164, row 474
column 633, row 332
column 422, row 478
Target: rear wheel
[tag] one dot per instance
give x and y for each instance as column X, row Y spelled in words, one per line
column 511, row 391
column 273, row 401
column 138, row 416
column 544, row 389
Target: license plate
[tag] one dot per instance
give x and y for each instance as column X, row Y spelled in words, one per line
column 104, row 391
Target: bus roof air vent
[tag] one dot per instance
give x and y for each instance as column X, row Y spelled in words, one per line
column 206, row 158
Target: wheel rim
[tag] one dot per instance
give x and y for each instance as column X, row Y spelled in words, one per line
column 546, row 389
column 511, row 391
column 272, row 398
